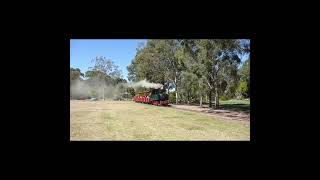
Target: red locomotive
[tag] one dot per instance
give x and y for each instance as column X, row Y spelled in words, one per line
column 157, row 97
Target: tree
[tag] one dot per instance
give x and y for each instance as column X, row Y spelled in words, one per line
column 172, row 58
column 157, row 62
column 131, row 91
column 220, row 58
column 147, row 65
column 75, row 74
column 132, row 71
column 189, row 54
column 118, row 81
column 103, row 72
column 244, row 84
column 189, row 84
column 245, row 71
column 106, row 66
column 243, row 89
column 211, row 65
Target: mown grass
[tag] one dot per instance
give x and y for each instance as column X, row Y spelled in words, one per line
column 237, row 105
column 134, row 121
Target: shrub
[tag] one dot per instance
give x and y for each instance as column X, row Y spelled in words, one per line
column 223, row 98
column 172, row 97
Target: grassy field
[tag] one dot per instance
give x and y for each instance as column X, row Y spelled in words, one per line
column 126, row 120
column 237, row 105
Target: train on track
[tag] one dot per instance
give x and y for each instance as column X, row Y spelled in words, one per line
column 157, row 97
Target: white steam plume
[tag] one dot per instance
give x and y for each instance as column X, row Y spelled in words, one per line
column 146, row 84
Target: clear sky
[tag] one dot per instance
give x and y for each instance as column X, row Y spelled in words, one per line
column 120, row 51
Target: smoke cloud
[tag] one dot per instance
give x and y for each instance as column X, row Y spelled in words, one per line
column 146, row 84
column 81, row 89
column 86, row 90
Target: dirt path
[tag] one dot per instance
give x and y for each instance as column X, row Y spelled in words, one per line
column 227, row 114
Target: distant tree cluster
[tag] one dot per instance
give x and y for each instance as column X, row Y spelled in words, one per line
column 103, row 80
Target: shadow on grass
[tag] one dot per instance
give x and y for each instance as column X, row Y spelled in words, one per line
column 240, row 107
column 236, row 107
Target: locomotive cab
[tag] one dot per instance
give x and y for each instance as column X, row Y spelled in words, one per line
column 159, row 97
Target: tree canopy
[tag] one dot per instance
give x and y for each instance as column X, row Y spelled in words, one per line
column 195, row 67
column 193, row 70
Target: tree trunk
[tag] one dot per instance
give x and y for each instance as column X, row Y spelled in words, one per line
column 176, row 96
column 200, row 94
column 188, row 98
column 175, row 82
column 218, row 101
column 216, row 98
column 100, row 93
column 206, row 98
column 103, row 92
column 210, row 97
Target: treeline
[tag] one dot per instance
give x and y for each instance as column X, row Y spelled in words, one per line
column 197, row 70
column 103, row 80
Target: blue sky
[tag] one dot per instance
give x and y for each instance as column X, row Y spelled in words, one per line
column 120, row 51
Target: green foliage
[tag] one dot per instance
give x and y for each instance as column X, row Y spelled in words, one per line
column 106, row 67
column 245, row 71
column 118, row 81
column 132, row 72
column 131, row 91
column 172, row 97
column 104, row 72
column 220, row 59
column 223, row 98
column 189, row 85
column 194, row 66
column 75, row 74
column 243, row 89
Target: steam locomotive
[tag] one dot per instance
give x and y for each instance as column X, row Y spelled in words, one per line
column 157, row 97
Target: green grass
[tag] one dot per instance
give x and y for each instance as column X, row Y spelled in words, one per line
column 237, row 105
column 234, row 101
column 120, row 120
